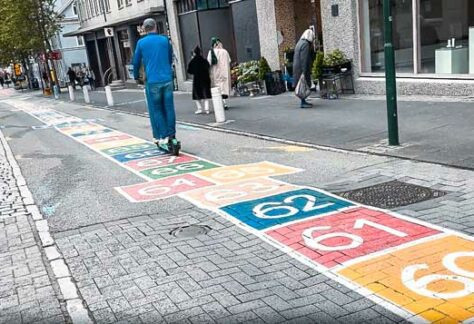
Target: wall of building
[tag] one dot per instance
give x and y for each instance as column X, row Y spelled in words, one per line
column 267, row 30
column 343, row 32
column 117, row 14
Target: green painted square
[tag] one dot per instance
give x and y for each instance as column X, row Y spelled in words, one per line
column 178, row 169
column 129, row 148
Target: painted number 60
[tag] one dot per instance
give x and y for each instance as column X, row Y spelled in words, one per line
column 420, row 286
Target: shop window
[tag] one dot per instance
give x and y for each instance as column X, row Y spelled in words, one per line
column 445, row 38
column 373, row 35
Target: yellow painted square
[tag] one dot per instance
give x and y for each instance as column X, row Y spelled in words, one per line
column 412, row 284
column 242, row 172
column 227, row 194
column 119, row 143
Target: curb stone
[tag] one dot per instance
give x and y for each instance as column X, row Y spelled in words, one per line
column 76, row 310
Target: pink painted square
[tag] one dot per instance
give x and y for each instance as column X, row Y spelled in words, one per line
column 164, row 188
column 335, row 239
column 159, row 161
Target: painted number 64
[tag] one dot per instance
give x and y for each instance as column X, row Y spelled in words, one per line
column 462, row 276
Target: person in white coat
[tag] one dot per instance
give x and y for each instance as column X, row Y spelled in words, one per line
column 219, row 59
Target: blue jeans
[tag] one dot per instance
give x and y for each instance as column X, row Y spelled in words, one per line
column 161, row 109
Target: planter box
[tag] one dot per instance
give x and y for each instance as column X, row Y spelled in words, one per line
column 329, row 70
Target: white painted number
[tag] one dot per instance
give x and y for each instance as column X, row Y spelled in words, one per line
column 227, row 194
column 238, row 174
column 176, row 169
column 462, row 276
column 262, row 210
column 356, row 240
column 159, row 190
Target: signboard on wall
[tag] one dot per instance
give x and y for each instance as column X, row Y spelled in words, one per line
column 109, row 32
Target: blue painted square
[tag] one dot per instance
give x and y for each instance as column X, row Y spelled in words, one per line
column 138, row 155
column 283, row 208
column 95, row 132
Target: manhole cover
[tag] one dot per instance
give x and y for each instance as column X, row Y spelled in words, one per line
column 190, row 231
column 392, row 194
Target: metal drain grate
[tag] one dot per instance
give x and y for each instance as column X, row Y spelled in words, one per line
column 392, row 194
column 190, row 231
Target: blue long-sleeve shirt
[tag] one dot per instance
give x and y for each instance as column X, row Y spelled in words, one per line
column 157, row 55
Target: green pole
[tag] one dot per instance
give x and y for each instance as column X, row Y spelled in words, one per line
column 390, row 77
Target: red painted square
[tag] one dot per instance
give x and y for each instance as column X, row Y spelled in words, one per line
column 159, row 161
column 107, row 139
column 334, row 239
column 163, row 188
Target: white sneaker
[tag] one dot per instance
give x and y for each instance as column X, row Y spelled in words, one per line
column 198, row 112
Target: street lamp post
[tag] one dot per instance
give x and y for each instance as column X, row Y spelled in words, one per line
column 390, row 76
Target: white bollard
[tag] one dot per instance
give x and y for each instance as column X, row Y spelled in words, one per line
column 56, row 92
column 72, row 95
column 108, row 94
column 87, row 98
column 218, row 104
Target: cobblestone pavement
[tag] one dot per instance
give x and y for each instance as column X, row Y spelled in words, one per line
column 133, row 270
column 27, row 293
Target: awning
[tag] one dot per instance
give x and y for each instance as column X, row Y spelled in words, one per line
column 116, row 22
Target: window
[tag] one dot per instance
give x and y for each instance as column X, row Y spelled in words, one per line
column 120, row 4
column 444, row 36
column 128, row 2
column 74, row 9
column 185, row 6
column 80, row 40
column 373, row 35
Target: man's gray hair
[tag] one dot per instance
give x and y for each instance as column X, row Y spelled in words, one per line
column 149, row 25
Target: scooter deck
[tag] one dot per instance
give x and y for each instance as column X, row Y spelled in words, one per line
column 171, row 148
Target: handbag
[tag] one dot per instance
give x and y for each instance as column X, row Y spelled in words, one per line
column 302, row 90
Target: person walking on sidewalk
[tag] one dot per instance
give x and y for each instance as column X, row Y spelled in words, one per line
column 199, row 68
column 156, row 54
column 72, row 78
column 219, row 59
column 303, row 60
column 90, row 75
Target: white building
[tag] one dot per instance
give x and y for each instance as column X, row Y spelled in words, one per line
column 110, row 55
column 73, row 49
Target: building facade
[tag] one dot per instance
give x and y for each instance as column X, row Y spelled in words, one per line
column 110, row 29
column 73, row 49
column 248, row 29
column 433, row 39
column 433, row 42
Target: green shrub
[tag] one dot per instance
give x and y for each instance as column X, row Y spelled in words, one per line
column 317, row 65
column 334, row 58
column 263, row 68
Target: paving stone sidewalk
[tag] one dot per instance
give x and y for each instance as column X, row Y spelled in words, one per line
column 27, row 293
column 134, row 271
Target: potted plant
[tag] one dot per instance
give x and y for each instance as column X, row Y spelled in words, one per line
column 335, row 62
column 316, row 70
column 248, row 75
column 263, row 71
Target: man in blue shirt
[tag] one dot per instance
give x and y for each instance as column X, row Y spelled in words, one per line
column 156, row 54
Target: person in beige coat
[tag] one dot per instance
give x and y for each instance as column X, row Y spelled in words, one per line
column 219, row 59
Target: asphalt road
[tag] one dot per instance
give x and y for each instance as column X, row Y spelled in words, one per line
column 430, row 130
